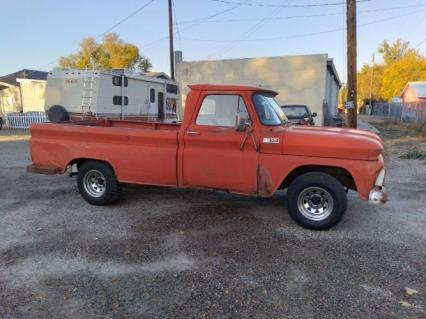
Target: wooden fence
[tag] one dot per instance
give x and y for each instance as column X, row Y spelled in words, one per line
column 414, row 113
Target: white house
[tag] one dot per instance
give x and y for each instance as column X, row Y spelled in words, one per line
column 22, row 91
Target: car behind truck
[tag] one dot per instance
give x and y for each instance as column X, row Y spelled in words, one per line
column 232, row 138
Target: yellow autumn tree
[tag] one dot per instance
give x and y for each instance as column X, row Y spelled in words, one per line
column 400, row 64
column 111, row 53
column 369, row 82
column 410, row 67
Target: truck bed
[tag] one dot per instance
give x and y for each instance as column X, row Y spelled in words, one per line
column 141, row 152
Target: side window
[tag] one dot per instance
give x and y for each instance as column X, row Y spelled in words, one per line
column 171, row 88
column 152, row 95
column 221, row 110
column 116, row 80
column 116, row 100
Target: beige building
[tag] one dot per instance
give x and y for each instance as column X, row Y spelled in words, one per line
column 22, row 91
column 311, row 80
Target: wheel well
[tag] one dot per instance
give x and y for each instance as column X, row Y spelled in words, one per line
column 79, row 161
column 341, row 174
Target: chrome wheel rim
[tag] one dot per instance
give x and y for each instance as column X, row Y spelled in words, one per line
column 94, row 183
column 315, row 203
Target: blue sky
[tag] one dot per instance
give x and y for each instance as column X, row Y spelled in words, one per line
column 35, row 33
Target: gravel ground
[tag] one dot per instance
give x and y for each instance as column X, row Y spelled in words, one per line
column 181, row 253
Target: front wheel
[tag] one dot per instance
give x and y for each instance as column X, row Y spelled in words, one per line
column 316, row 201
column 97, row 183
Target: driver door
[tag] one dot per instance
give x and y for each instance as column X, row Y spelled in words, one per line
column 213, row 157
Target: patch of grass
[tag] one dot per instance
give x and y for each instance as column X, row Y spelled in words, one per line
column 414, row 153
column 390, row 130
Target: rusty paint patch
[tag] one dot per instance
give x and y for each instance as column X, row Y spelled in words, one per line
column 264, row 182
column 45, row 170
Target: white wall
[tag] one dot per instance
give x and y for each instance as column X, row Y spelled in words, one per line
column 297, row 79
column 10, row 100
column 33, row 92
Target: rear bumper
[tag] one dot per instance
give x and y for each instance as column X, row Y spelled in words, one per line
column 378, row 193
column 46, row 170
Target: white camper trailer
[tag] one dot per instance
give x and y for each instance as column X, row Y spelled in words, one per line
column 116, row 93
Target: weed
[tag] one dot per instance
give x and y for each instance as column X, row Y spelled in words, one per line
column 414, row 153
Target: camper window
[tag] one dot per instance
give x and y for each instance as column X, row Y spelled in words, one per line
column 116, row 80
column 116, row 100
column 171, row 88
column 152, row 95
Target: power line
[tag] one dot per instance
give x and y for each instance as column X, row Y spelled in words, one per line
column 306, row 34
column 246, row 34
column 151, row 44
column 108, row 30
column 286, row 5
column 420, row 43
column 126, row 18
column 305, row 16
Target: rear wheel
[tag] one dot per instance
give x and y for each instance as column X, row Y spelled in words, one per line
column 316, row 201
column 97, row 183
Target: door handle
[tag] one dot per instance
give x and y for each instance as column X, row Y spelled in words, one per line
column 192, row 133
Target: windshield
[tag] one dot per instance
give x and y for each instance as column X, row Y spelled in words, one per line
column 295, row 111
column 268, row 110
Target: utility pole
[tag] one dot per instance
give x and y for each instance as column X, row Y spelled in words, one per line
column 172, row 58
column 352, row 72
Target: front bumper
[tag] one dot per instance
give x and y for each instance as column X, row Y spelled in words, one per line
column 378, row 193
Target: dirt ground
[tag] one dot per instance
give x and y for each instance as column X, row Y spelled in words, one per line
column 161, row 253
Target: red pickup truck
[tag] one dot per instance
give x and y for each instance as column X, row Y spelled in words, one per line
column 232, row 138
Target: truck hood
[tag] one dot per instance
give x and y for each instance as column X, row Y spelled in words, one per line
column 331, row 142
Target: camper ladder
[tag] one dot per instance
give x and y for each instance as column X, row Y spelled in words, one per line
column 88, row 91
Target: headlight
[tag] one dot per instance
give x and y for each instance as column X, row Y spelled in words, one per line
column 380, row 179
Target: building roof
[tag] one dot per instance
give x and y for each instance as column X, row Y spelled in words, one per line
column 227, row 87
column 24, row 74
column 159, row 75
column 419, row 88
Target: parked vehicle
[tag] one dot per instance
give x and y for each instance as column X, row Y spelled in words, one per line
column 117, row 93
column 232, row 138
column 299, row 114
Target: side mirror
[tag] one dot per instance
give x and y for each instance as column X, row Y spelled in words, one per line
column 314, row 114
column 242, row 123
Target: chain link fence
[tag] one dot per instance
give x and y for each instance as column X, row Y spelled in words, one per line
column 414, row 113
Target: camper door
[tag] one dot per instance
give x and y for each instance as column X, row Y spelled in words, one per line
column 152, row 101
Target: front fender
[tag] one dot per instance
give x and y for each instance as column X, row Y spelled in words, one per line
column 275, row 168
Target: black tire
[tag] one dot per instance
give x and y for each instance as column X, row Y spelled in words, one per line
column 87, row 183
column 318, row 192
column 57, row 114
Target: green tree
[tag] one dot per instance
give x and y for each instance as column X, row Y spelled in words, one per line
column 111, row 53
